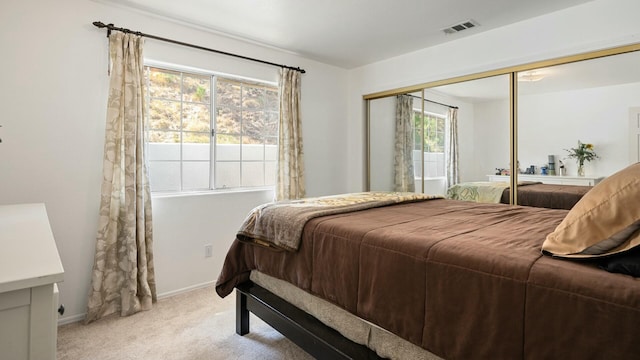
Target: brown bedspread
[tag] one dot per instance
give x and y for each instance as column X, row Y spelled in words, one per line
column 548, row 195
column 462, row 280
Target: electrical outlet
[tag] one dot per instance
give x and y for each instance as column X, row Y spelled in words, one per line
column 208, row 250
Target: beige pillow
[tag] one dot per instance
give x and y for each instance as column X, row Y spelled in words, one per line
column 603, row 222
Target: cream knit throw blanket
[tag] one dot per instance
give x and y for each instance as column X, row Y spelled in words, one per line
column 280, row 224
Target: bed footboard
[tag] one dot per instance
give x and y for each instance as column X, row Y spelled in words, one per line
column 319, row 340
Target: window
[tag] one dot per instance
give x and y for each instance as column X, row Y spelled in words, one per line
column 431, row 133
column 209, row 132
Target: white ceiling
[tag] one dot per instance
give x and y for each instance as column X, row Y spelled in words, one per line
column 345, row 33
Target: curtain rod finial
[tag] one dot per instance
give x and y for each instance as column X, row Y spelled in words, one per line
column 99, row 24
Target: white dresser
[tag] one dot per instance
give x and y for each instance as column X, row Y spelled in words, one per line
column 30, row 267
column 551, row 179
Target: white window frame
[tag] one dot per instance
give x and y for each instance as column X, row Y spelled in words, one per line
column 424, row 161
column 184, row 70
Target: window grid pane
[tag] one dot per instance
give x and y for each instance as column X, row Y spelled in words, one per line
column 183, row 108
column 247, row 115
column 430, row 134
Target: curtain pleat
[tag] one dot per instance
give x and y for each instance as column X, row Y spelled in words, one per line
column 404, row 177
column 123, row 277
column 290, row 179
column 453, row 176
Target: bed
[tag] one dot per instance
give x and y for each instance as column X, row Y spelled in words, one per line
column 440, row 278
column 529, row 193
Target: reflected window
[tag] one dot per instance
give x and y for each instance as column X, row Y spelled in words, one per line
column 431, row 132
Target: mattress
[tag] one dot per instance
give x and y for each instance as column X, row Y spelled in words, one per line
column 383, row 342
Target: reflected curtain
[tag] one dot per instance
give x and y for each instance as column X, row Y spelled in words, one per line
column 123, row 277
column 403, row 149
column 290, row 178
column 451, row 140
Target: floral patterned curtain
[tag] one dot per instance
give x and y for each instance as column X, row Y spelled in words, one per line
column 403, row 155
column 290, row 179
column 453, row 177
column 123, row 277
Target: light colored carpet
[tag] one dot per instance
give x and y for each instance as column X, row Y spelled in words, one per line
column 190, row 326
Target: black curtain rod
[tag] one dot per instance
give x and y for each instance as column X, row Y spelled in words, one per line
column 435, row 102
column 110, row 28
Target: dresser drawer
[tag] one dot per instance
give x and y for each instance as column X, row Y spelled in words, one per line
column 14, row 324
column 16, row 298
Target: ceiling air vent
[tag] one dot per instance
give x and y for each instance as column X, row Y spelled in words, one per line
column 461, row 26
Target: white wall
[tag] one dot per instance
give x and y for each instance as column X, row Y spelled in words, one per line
column 491, row 138
column 383, row 129
column 183, row 224
column 54, row 93
column 591, row 26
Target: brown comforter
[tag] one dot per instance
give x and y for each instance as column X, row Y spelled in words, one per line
column 462, row 280
column 548, row 195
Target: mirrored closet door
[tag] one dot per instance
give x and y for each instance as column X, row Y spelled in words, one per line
column 458, row 132
column 567, row 121
column 579, row 112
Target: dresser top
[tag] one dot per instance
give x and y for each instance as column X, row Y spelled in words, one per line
column 28, row 253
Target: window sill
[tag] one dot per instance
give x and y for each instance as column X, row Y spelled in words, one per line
column 170, row 194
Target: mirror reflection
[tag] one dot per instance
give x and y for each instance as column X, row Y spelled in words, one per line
column 575, row 128
column 588, row 102
column 584, row 112
column 409, row 136
column 457, row 131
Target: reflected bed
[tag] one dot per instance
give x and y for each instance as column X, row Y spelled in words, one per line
column 529, row 193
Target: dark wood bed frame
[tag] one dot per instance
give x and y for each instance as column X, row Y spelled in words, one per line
column 314, row 337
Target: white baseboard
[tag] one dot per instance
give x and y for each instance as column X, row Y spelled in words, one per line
column 185, row 289
column 71, row 319
column 79, row 317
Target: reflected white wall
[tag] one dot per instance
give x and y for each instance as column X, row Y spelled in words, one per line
column 382, row 133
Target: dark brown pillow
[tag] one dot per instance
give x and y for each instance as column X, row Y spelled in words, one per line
column 626, row 263
column 605, row 221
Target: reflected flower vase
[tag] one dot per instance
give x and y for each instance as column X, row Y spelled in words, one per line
column 580, row 168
